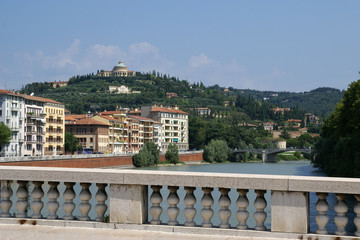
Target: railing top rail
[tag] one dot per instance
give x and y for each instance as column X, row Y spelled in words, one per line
column 195, row 179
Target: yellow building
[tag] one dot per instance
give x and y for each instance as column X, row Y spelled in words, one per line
column 54, row 128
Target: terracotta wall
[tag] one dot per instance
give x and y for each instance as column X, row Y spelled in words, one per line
column 95, row 162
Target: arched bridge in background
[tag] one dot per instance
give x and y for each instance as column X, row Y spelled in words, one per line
column 269, row 155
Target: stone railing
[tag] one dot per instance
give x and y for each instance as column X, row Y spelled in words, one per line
column 138, row 197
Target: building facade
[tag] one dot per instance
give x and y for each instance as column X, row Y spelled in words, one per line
column 91, row 134
column 35, row 121
column 55, row 127
column 12, row 115
column 174, row 125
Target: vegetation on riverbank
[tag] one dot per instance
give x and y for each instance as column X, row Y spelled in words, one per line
column 338, row 151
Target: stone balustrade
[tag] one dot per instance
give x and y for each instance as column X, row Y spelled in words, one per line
column 138, row 197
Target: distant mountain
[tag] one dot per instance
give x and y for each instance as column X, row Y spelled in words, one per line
column 320, row 101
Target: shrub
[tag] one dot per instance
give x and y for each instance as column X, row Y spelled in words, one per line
column 172, row 153
column 297, row 155
column 216, row 151
column 147, row 156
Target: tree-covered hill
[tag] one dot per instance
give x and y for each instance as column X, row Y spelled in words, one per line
column 91, row 93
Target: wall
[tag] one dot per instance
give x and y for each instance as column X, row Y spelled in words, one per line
column 92, row 162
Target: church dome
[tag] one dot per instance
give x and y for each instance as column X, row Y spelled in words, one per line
column 120, row 67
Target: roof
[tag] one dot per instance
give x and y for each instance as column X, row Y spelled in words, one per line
column 109, row 112
column 40, row 99
column 75, row 116
column 168, row 110
column 8, row 92
column 87, row 121
column 294, row 120
column 110, row 118
column 141, row 118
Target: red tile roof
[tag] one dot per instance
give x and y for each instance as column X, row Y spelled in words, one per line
column 168, row 110
column 109, row 112
column 75, row 116
column 87, row 121
column 110, row 118
column 40, row 99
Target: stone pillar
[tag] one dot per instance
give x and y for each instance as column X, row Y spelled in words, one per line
column 264, row 156
column 128, row 203
column 289, row 212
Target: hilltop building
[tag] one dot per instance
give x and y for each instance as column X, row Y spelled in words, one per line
column 119, row 70
column 58, row 84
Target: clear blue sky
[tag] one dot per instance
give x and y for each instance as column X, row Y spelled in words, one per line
column 263, row 45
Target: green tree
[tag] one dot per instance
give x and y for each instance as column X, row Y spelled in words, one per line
column 71, row 143
column 142, row 158
column 216, row 151
column 172, row 153
column 5, row 134
column 337, row 151
column 154, row 152
column 285, row 134
column 148, row 155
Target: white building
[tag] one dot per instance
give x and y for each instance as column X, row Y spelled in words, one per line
column 119, row 90
column 12, row 114
column 174, row 124
column 35, row 120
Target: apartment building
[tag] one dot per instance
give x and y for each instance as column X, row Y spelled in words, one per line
column 12, row 114
column 91, row 134
column 118, row 130
column 35, row 121
column 55, row 127
column 174, row 125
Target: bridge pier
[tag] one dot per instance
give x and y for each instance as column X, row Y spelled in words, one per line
column 268, row 158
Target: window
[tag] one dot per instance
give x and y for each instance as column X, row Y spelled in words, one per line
column 14, row 113
column 0, row 113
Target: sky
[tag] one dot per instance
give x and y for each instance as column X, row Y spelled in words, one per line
column 256, row 44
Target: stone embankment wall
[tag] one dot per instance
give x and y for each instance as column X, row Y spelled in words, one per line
column 88, row 161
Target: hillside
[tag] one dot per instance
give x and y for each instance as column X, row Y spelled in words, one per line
column 91, row 93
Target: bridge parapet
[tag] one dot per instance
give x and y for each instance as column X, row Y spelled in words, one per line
column 133, row 194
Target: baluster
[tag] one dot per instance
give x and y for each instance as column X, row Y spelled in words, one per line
column 260, row 215
column 189, row 211
column 5, row 201
column 357, row 218
column 242, row 214
column 173, row 210
column 68, row 205
column 53, row 204
column 207, row 201
column 340, row 220
column 100, row 197
column 155, row 209
column 84, row 206
column 22, row 203
column 224, row 212
column 37, row 204
column 321, row 218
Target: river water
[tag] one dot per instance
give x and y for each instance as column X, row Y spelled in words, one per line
column 294, row 168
